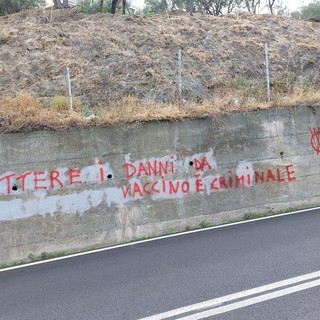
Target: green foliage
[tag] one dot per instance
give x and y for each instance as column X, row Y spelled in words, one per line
column 279, row 85
column 308, row 60
column 14, row 6
column 218, row 82
column 103, row 6
column 252, row 215
column 171, row 231
column 95, row 6
column 205, row 224
column 307, row 12
column 213, row 7
column 233, row 65
column 284, row 83
column 309, row 81
column 155, row 6
column 61, row 104
column 240, row 84
column 32, row 257
column 88, row 6
column 45, row 256
column 51, row 255
column 4, row 265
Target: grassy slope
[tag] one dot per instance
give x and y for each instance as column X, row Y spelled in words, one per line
column 124, row 68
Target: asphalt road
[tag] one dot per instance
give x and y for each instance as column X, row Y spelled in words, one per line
column 141, row 280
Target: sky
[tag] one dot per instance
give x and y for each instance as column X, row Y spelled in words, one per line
column 291, row 4
column 295, row 4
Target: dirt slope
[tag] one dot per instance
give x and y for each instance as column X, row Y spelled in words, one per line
column 114, row 56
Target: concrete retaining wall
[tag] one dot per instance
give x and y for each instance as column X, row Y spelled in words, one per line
column 101, row 186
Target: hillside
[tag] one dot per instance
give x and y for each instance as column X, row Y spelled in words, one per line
column 113, row 57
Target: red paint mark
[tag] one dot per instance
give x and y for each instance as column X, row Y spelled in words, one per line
column 142, row 170
column 149, row 169
column 222, row 183
column 279, row 176
column 199, row 185
column 145, row 189
column 259, row 177
column 290, row 173
column 185, row 187
column 54, row 177
column 73, row 175
column 136, row 190
column 125, row 190
column 173, row 187
column 270, row 176
column 248, row 179
column 22, row 177
column 201, row 164
column 240, row 181
column 230, row 179
column 8, row 181
column 315, row 139
column 130, row 170
column 37, row 180
column 101, row 171
column 213, row 184
column 101, row 174
column 153, row 187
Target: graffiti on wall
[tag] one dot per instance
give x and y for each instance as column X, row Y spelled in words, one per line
column 197, row 174
column 315, row 139
column 77, row 190
column 13, row 183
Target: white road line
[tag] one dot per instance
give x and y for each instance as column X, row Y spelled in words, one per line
column 238, row 295
column 251, row 301
column 156, row 239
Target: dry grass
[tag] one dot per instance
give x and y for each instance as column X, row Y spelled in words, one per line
column 131, row 109
column 201, row 55
column 299, row 97
column 24, row 113
column 4, row 35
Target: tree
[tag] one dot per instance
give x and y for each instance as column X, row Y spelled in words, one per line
column 13, row 6
column 155, row 6
column 114, row 6
column 233, row 4
column 94, row 6
column 178, row 5
column 212, row 7
column 270, row 6
column 252, row 5
column 191, row 7
column 218, row 7
column 306, row 12
column 277, row 7
column 60, row 5
column 91, row 7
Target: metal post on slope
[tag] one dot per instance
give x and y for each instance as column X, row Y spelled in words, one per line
column 69, row 90
column 267, row 72
column 179, row 73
